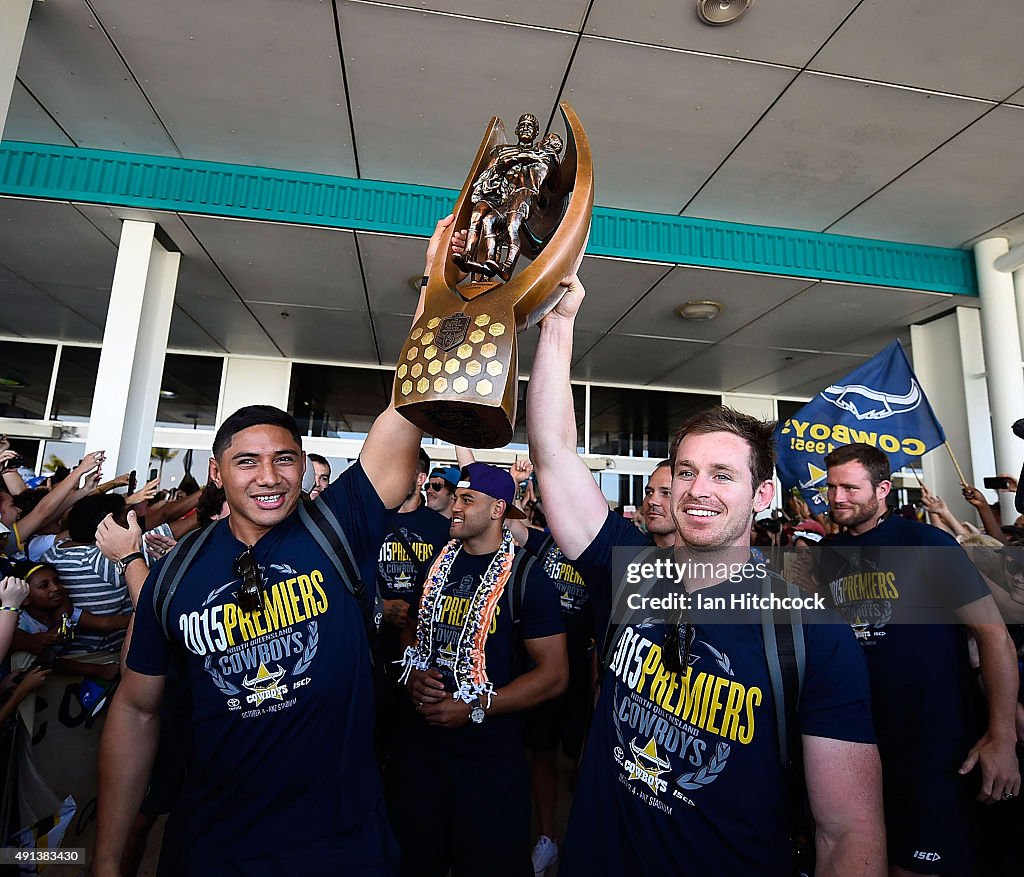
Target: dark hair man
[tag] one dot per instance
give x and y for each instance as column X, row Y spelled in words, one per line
column 464, row 793
column 440, row 489
column 657, row 506
column 323, row 474
column 282, row 778
column 920, row 675
column 663, row 789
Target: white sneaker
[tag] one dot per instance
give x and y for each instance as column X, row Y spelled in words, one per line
column 545, row 854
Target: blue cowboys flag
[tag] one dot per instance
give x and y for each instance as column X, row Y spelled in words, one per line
column 881, row 404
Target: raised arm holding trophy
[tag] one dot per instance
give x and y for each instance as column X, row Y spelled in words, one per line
column 457, row 374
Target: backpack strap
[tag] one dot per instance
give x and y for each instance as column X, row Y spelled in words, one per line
column 176, row 565
column 328, row 533
column 522, row 564
column 785, row 651
column 614, row 628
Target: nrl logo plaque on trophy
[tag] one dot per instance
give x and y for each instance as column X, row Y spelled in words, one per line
column 458, row 373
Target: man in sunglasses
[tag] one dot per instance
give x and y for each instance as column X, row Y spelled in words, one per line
column 282, row 778
column 682, row 771
column 441, row 489
column 912, row 595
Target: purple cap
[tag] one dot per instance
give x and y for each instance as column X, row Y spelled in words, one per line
column 494, row 482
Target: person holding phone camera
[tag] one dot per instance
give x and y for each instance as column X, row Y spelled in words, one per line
column 20, row 529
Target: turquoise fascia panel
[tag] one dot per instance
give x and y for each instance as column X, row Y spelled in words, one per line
column 34, row 170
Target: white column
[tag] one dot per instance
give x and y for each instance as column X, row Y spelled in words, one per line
column 1001, row 336
column 252, row 381
column 948, row 361
column 134, row 343
column 13, row 24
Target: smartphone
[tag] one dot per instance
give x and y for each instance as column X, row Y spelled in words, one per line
column 152, row 474
column 132, row 482
column 997, row 482
column 93, row 694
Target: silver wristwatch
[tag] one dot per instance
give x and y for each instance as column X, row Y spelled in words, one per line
column 477, row 714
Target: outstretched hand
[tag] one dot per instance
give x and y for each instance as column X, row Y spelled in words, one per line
column 569, row 304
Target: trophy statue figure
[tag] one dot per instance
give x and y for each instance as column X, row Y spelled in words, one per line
column 458, row 373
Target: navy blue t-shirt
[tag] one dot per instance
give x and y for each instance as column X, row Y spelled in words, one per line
column 681, row 773
column 282, row 698
column 572, row 589
column 920, row 674
column 398, row 575
column 503, row 651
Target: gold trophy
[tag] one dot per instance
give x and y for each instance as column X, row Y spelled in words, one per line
column 458, row 372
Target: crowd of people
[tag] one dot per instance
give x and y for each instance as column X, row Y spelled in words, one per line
column 374, row 673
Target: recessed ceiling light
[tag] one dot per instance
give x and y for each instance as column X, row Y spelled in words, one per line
column 699, row 311
column 168, row 394
column 719, row 12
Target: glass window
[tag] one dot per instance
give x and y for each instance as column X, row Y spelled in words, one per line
column 788, row 409
column 76, row 383
column 336, row 402
column 25, row 372
column 579, row 404
column 640, row 423
column 189, row 391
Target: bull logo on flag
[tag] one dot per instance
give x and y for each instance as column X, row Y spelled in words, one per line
column 864, row 403
column 879, row 404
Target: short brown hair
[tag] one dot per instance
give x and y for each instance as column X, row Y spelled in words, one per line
column 870, row 457
column 756, row 433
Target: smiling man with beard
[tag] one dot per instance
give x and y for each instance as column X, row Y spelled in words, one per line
column 681, row 773
column 882, row 574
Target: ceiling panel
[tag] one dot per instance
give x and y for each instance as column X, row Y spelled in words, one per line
column 391, row 331
column 70, row 66
column 826, row 146
column 187, row 334
column 806, row 376
column 230, row 324
column 829, row 315
column 423, row 87
column 26, row 120
column 252, row 82
column 945, row 45
column 28, row 233
column 971, row 184
column 30, row 313
column 743, row 297
column 657, row 136
column 388, row 263
column 785, row 33
column 286, row 264
column 314, row 333
column 724, row 367
column 565, row 14
column 628, row 359
column 613, row 287
column 89, row 303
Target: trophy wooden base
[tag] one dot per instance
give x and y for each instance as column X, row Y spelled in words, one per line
column 456, row 377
